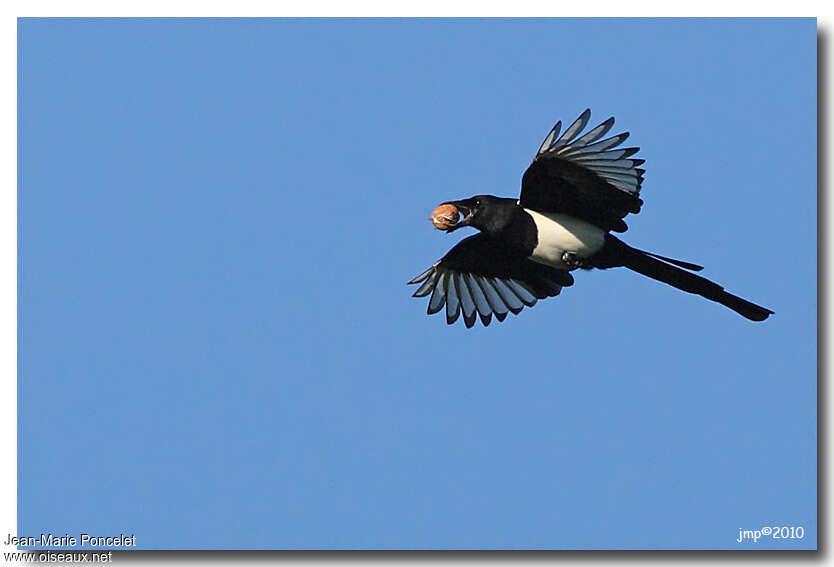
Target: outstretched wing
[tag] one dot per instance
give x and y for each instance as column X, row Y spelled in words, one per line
column 585, row 177
column 481, row 276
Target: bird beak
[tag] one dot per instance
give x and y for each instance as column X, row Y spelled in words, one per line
column 464, row 210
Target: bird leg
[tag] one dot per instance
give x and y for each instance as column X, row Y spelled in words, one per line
column 571, row 260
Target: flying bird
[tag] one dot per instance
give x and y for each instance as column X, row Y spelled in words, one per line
column 574, row 194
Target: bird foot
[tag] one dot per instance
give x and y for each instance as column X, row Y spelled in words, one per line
column 571, row 260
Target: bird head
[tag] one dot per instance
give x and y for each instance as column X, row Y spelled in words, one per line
column 486, row 213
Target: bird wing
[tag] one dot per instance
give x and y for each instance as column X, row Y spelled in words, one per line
column 583, row 176
column 482, row 276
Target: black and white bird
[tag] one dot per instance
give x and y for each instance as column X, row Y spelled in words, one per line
column 573, row 196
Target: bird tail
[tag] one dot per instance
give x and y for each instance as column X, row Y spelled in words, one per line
column 666, row 270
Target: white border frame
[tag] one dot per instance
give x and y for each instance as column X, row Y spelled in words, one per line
column 10, row 11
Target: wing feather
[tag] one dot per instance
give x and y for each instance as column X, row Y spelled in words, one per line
column 573, row 130
column 585, row 177
column 512, row 301
column 548, row 141
column 496, row 304
column 480, row 277
column 428, row 284
column 466, row 302
column 603, row 145
column 452, row 299
column 481, row 304
column 438, row 295
column 594, row 134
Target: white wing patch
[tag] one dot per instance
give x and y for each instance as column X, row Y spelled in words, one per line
column 612, row 165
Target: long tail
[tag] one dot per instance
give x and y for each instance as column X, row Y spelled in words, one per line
column 618, row 253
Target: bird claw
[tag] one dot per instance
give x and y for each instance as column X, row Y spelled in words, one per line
column 571, row 260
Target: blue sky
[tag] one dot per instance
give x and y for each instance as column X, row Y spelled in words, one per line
column 218, row 348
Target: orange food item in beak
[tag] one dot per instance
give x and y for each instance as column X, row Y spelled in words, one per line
column 445, row 217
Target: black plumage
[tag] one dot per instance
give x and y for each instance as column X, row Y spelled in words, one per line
column 576, row 191
column 485, row 276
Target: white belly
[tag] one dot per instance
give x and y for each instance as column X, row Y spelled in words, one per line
column 560, row 233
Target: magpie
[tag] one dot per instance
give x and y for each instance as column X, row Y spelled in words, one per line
column 574, row 194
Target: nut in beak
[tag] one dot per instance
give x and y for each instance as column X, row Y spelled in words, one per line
column 445, row 216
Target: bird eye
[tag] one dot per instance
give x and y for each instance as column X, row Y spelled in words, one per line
column 477, row 202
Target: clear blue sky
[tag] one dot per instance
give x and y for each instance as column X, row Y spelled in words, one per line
column 218, row 348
